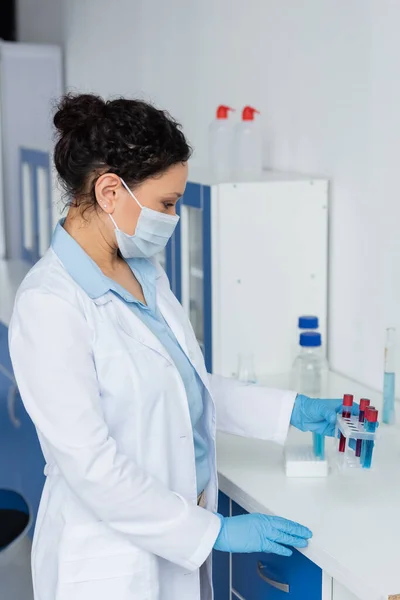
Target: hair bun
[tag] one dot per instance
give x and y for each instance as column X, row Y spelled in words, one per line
column 75, row 109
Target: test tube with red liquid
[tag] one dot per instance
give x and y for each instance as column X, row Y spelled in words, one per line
column 364, row 403
column 346, row 414
column 370, row 424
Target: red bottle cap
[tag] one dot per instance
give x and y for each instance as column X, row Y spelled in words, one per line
column 364, row 402
column 223, row 111
column 348, row 400
column 371, row 415
column 248, row 113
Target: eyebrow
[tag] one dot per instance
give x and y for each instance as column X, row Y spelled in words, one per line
column 177, row 194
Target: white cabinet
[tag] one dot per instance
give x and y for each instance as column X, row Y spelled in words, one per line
column 269, row 261
column 341, row 593
column 30, row 82
column 246, row 260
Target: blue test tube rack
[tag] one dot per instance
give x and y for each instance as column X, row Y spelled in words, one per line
column 352, row 430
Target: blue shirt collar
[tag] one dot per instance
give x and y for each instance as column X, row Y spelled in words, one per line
column 90, row 277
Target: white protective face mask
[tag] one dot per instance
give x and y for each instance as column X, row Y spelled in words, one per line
column 153, row 231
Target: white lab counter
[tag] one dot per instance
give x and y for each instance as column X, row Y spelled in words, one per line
column 355, row 516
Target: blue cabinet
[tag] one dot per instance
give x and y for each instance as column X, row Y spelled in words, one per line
column 21, row 459
column 188, row 262
column 258, row 576
column 221, row 560
column 36, row 203
column 9, row 477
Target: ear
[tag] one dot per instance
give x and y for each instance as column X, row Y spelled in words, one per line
column 106, row 190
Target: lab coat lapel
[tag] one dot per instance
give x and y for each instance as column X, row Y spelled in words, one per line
column 132, row 325
column 174, row 315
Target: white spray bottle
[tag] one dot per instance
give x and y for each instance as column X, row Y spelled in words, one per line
column 221, row 135
column 248, row 146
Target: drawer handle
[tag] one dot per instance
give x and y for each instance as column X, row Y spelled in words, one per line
column 283, row 587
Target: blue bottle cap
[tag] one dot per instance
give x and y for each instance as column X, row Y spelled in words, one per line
column 308, row 322
column 310, row 339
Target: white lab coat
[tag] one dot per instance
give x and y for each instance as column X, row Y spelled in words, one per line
column 118, row 517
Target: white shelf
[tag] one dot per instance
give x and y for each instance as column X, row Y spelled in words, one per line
column 199, row 174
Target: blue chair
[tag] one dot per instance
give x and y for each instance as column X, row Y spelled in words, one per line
column 15, row 547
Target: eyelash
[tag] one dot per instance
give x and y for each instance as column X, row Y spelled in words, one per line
column 168, row 204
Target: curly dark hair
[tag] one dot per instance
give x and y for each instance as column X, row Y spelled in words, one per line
column 130, row 138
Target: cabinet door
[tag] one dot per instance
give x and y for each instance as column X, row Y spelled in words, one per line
column 341, row 593
column 258, row 576
column 36, row 206
column 21, row 458
column 192, row 257
column 30, row 460
column 9, row 475
column 192, row 268
column 221, row 560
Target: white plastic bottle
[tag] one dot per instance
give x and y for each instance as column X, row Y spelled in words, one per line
column 305, row 323
column 309, row 376
column 310, row 367
column 248, row 159
column 221, row 134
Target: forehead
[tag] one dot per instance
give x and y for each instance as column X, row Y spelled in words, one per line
column 171, row 181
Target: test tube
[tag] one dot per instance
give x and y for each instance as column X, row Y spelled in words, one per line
column 319, row 446
column 364, row 403
column 346, row 414
column 389, row 377
column 370, row 424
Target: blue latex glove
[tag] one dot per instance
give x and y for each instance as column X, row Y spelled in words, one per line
column 318, row 416
column 260, row 533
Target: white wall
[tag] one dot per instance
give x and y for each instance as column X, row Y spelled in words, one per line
column 324, row 75
column 40, row 21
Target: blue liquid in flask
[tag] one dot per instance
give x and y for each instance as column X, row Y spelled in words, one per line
column 388, row 398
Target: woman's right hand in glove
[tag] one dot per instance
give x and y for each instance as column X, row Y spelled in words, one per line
column 260, row 533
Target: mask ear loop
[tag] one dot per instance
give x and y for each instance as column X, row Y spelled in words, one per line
column 112, row 219
column 130, row 192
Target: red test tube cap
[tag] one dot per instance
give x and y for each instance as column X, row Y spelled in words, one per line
column 371, row 415
column 364, row 402
column 348, row 400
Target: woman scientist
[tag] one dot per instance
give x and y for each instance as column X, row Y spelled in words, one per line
column 112, row 376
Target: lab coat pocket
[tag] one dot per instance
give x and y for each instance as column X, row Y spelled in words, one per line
column 97, row 563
